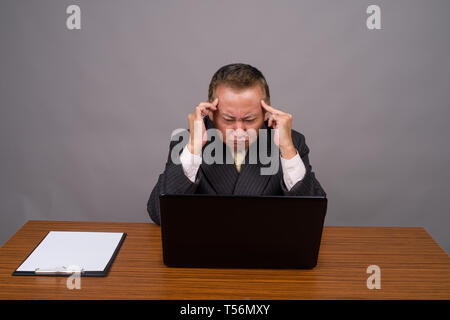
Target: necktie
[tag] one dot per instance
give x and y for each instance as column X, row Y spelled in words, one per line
column 239, row 158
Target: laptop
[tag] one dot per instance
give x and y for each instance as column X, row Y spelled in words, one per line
column 229, row 231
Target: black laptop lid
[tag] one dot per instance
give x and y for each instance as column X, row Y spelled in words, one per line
column 241, row 231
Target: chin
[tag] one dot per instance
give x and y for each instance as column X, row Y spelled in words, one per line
column 236, row 144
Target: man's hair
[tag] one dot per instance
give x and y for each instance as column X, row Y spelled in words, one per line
column 238, row 76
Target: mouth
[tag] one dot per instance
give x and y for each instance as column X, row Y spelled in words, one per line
column 236, row 140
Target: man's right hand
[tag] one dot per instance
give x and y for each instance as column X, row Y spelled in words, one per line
column 197, row 129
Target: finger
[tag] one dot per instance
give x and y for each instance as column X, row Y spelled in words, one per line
column 213, row 108
column 274, row 120
column 274, row 124
column 202, row 109
column 215, row 102
column 200, row 112
column 269, row 108
column 208, row 105
column 275, row 116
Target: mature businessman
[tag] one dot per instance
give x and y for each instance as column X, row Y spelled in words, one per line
column 238, row 107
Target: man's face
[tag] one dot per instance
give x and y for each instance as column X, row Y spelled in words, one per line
column 238, row 111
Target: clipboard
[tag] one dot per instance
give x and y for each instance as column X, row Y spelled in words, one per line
column 63, row 253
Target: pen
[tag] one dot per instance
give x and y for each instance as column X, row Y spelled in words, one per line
column 58, row 270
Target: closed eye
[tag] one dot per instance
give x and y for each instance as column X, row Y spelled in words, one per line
column 246, row 120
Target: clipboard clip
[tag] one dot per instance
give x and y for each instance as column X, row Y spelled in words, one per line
column 59, row 270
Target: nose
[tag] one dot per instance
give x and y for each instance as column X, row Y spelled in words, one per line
column 238, row 124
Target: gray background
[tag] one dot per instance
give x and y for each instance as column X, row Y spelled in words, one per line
column 86, row 115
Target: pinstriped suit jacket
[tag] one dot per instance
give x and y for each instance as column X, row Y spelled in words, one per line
column 225, row 179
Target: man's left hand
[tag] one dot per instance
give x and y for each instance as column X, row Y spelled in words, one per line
column 282, row 123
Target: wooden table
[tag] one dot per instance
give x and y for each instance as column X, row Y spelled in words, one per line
column 413, row 266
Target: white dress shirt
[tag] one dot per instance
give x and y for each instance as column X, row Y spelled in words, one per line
column 293, row 169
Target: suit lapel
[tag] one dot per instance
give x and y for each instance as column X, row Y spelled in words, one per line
column 221, row 177
column 250, row 181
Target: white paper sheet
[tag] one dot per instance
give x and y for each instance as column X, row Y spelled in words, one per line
column 88, row 250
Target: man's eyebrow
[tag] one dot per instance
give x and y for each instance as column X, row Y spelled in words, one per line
column 228, row 115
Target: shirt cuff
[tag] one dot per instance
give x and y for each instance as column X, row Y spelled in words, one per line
column 190, row 163
column 293, row 170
